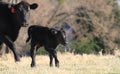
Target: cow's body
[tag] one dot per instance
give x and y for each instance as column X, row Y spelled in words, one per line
column 11, row 20
column 47, row 37
column 8, row 25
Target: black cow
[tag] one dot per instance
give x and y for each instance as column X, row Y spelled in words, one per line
column 12, row 18
column 47, row 37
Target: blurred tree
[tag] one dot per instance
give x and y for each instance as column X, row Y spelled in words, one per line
column 116, row 12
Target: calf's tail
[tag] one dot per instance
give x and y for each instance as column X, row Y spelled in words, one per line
column 29, row 34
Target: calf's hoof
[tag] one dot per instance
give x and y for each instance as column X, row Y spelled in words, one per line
column 33, row 65
column 17, row 60
column 57, row 65
column 51, row 65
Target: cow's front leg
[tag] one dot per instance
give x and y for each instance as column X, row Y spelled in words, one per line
column 1, row 45
column 54, row 53
column 32, row 54
column 11, row 45
column 1, row 51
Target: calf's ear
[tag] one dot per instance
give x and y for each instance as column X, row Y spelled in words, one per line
column 33, row 6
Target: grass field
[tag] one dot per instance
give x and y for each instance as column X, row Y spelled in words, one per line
column 69, row 64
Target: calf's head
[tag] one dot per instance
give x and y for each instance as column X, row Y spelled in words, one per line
column 21, row 12
column 60, row 36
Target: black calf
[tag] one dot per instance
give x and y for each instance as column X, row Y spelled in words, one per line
column 47, row 37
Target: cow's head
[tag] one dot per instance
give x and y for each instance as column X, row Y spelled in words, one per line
column 21, row 12
column 60, row 35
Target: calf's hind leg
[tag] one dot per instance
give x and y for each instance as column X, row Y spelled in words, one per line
column 32, row 54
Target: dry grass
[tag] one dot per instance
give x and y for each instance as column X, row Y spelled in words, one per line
column 69, row 64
